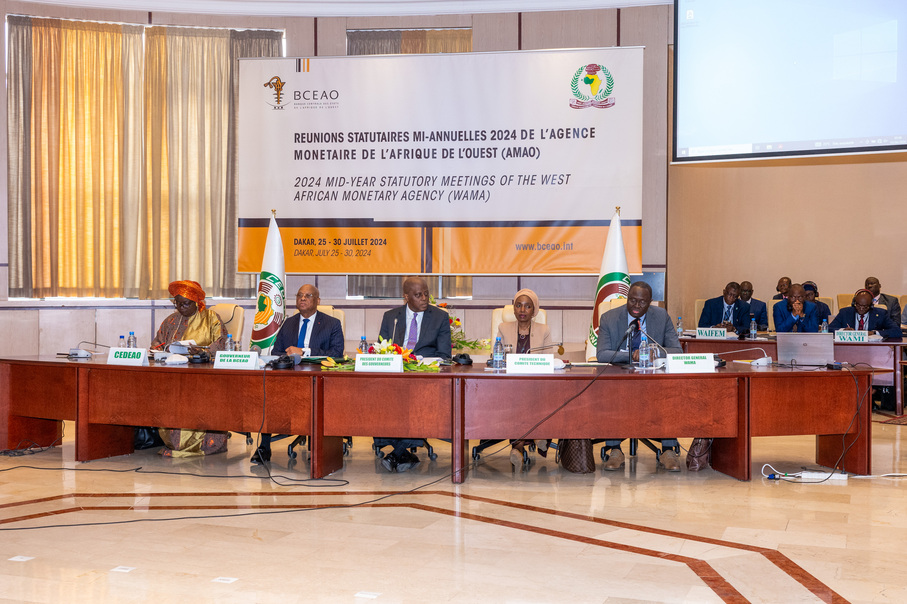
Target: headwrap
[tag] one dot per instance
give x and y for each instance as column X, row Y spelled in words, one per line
column 532, row 296
column 810, row 286
column 189, row 290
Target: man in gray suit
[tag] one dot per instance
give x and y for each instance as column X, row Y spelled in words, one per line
column 615, row 345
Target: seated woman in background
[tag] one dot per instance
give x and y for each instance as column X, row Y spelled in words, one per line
column 191, row 321
column 524, row 335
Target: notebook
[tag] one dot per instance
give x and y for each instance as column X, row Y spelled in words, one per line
column 813, row 349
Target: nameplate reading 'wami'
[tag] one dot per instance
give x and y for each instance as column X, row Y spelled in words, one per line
column 235, row 360
column 711, row 333
column 137, row 357
column 530, row 363
column 691, row 363
column 854, row 335
column 382, row 363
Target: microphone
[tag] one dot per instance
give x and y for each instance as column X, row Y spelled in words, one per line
column 93, row 343
column 255, row 348
column 81, row 353
column 560, row 348
column 634, row 325
column 394, row 332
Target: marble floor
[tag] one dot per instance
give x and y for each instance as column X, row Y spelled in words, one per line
column 142, row 528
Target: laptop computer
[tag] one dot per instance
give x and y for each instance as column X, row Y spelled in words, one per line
column 806, row 349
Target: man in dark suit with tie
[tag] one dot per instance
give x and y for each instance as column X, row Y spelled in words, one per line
column 322, row 334
column 425, row 330
column 862, row 315
column 758, row 309
column 613, row 347
column 726, row 311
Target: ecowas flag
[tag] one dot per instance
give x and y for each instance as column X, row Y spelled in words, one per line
column 271, row 307
column 613, row 279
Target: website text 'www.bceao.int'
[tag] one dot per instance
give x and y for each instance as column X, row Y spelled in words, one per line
column 538, row 246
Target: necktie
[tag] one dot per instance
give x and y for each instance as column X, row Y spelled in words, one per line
column 413, row 333
column 727, row 314
column 305, row 326
column 637, row 336
column 862, row 322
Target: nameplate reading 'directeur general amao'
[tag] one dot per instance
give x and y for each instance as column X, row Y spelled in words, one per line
column 382, row 363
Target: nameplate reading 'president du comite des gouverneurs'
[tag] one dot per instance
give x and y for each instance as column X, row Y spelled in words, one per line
column 707, row 333
column 238, row 359
column 383, row 363
column 691, row 363
column 137, row 357
column 853, row 335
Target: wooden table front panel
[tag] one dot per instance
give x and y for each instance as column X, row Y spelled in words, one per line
column 33, row 398
column 409, row 405
column 794, row 403
column 201, row 399
column 655, row 406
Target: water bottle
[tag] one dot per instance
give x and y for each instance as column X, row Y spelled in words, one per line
column 130, row 342
column 753, row 327
column 363, row 345
column 497, row 355
column 644, row 361
column 122, row 343
column 679, row 326
column 230, row 345
column 824, row 327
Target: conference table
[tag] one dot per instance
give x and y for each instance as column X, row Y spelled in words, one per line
column 882, row 354
column 731, row 405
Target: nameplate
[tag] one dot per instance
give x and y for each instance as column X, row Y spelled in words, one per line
column 851, row 335
column 381, row 363
column 137, row 357
column 691, row 363
column 224, row 359
column 530, row 363
column 719, row 333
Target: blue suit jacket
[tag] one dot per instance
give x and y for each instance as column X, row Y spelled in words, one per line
column 434, row 335
column 878, row 321
column 784, row 322
column 759, row 310
column 713, row 313
column 326, row 338
column 823, row 313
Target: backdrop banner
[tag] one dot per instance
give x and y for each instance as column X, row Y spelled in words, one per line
column 467, row 164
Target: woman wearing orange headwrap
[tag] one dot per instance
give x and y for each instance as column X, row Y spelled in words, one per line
column 191, row 321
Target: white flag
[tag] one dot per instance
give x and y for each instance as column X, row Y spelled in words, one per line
column 271, row 308
column 613, row 279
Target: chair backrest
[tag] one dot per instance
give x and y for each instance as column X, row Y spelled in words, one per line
column 231, row 317
column 505, row 313
column 844, row 300
column 770, row 307
column 700, row 303
column 903, row 300
column 831, row 305
column 336, row 313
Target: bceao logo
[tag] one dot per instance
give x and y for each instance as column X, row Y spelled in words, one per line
column 279, row 98
column 598, row 82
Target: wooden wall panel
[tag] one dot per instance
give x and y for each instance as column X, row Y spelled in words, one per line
column 570, row 29
column 495, row 32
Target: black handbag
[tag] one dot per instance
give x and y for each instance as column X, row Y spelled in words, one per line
column 146, row 438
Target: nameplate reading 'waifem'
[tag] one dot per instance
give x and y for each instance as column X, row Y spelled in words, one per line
column 137, row 357
column 530, row 363
column 713, row 333
column 691, row 363
column 854, row 335
column 235, row 360
column 383, row 363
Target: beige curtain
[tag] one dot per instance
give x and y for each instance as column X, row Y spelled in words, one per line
column 67, row 114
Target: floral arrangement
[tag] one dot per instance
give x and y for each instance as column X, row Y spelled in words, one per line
column 457, row 335
column 410, row 362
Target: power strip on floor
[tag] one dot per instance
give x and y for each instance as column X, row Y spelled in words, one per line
column 822, row 476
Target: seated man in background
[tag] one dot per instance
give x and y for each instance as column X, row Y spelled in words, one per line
column 727, row 311
column 823, row 313
column 795, row 314
column 782, row 288
column 613, row 347
column 322, row 334
column 758, row 309
column 879, row 299
column 425, row 330
column 863, row 316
